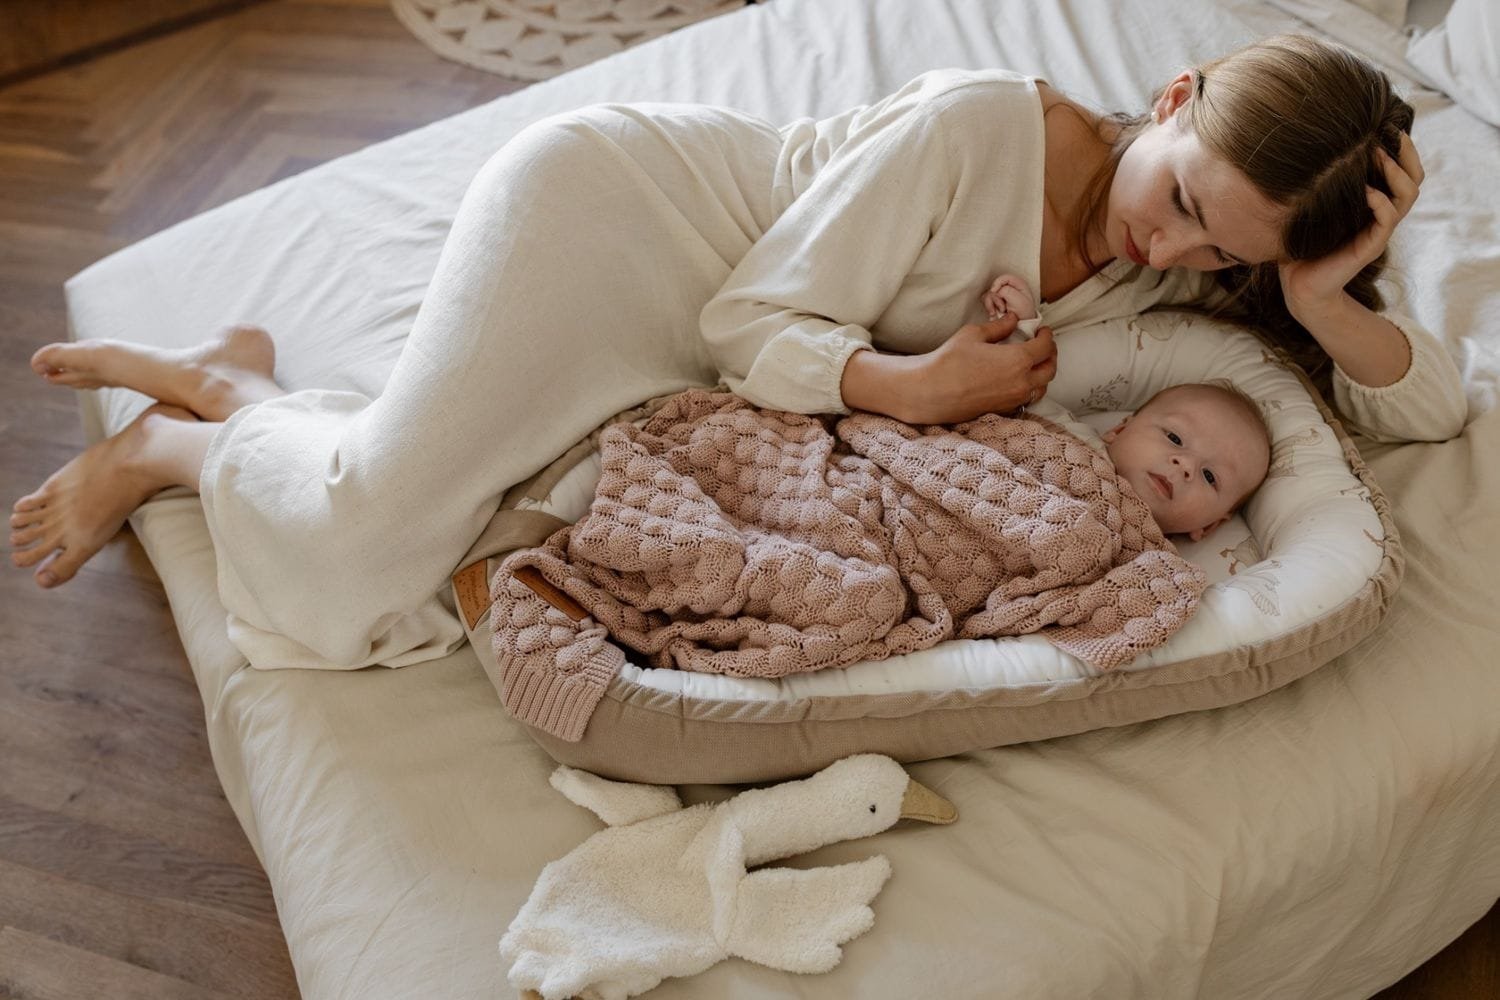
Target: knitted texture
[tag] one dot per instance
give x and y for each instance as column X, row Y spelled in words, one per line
column 728, row 539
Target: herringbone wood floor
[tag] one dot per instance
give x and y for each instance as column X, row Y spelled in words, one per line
column 123, row 873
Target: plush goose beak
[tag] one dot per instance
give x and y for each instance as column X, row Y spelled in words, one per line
column 921, row 802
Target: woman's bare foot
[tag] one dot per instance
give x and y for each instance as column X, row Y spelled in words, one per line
column 212, row 379
column 85, row 503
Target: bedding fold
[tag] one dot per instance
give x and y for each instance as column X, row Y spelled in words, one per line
column 728, row 539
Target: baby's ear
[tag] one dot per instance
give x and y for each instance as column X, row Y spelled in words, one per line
column 1198, row 534
column 1114, row 432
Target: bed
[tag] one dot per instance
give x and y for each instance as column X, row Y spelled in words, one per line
column 1319, row 841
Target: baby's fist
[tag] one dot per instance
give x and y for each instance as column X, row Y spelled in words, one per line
column 1009, row 294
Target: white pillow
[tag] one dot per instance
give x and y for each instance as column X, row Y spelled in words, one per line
column 1462, row 56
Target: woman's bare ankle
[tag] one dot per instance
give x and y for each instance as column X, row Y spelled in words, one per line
column 172, row 446
column 233, row 372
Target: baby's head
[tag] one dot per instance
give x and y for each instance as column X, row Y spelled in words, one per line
column 1194, row 453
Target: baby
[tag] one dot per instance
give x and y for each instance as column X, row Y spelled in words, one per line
column 1194, row 453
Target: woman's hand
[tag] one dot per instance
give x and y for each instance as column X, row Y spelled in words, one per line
column 972, row 373
column 1315, row 288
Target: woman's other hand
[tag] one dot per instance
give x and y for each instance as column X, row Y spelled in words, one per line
column 1315, row 288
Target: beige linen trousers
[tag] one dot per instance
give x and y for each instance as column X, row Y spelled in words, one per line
column 568, row 290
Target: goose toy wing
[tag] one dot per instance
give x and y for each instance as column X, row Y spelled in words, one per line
column 618, row 803
column 666, row 891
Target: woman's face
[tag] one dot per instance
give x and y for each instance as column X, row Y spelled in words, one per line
column 1173, row 203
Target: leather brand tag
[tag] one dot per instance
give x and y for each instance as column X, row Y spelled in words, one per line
column 471, row 586
column 539, row 585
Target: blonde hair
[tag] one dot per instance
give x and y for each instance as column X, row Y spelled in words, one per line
column 1302, row 119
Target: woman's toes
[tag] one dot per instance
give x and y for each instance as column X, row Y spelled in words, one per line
column 27, row 509
column 86, row 502
column 75, row 365
column 26, row 537
column 60, row 569
column 32, row 555
column 51, row 359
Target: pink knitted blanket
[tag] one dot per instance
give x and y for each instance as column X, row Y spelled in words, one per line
column 733, row 540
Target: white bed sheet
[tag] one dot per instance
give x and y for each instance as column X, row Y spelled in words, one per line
column 1320, row 841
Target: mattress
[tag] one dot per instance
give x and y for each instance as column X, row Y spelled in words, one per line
column 1319, row 841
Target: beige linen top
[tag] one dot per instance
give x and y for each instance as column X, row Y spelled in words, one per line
column 897, row 215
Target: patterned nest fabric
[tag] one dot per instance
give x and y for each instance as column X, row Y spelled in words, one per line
column 733, row 540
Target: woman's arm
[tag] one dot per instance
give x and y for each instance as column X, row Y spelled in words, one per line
column 801, row 300
column 796, row 312
column 1366, row 346
column 1392, row 378
column 1426, row 403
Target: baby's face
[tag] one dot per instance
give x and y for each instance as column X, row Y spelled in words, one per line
column 1191, row 454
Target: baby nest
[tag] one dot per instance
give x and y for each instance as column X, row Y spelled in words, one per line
column 1304, row 571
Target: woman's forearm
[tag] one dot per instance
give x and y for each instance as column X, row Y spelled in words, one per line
column 1369, row 348
column 878, row 383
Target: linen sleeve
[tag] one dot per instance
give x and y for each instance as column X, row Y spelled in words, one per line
column 1425, row 404
column 803, row 298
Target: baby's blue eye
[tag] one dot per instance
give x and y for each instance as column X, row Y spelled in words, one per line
column 1172, row 437
column 1209, row 475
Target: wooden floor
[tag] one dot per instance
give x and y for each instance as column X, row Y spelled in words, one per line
column 123, row 873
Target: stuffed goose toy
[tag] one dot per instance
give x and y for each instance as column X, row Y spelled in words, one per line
column 667, row 891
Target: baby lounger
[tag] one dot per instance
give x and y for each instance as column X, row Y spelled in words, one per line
column 1305, row 573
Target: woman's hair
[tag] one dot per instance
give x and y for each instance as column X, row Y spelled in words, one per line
column 1302, row 120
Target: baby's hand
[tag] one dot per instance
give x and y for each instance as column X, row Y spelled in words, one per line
column 1009, row 294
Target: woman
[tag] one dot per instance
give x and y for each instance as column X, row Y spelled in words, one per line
column 617, row 253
